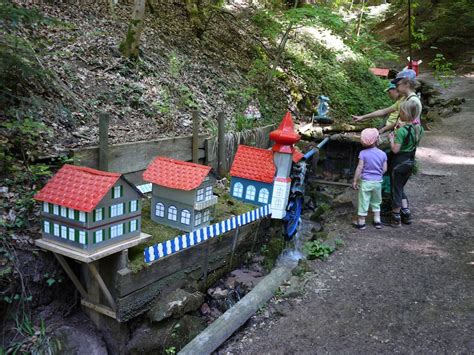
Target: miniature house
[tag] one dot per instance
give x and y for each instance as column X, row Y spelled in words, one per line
column 182, row 193
column 253, row 172
column 87, row 208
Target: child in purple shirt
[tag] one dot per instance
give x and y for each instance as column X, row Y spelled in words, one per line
column 372, row 165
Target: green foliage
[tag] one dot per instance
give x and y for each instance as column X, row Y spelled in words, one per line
column 443, row 70
column 33, row 340
column 317, row 250
column 171, row 350
column 175, row 65
column 186, row 98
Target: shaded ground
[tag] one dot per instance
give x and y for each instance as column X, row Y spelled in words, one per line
column 405, row 290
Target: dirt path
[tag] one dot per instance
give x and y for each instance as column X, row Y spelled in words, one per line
column 406, row 290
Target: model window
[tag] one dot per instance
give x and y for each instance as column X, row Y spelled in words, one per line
column 208, row 193
column 99, row 214
column 116, row 210
column 56, row 230
column 82, row 237
column 116, row 230
column 133, row 225
column 263, row 195
column 250, row 194
column 133, row 205
column 99, row 236
column 56, row 210
column 82, row 216
column 63, row 211
column 72, row 234
column 185, row 217
column 238, row 189
column 160, row 210
column 197, row 219
column 117, row 191
column 70, row 213
column 206, row 216
column 64, row 232
column 46, row 207
column 46, row 227
column 200, row 195
column 172, row 213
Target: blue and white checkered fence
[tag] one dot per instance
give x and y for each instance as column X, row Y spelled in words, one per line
column 188, row 240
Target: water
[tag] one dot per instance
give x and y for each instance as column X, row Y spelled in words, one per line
column 294, row 252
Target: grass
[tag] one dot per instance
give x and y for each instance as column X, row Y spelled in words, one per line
column 226, row 207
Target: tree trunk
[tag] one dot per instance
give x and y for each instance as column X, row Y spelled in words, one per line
column 360, row 18
column 130, row 45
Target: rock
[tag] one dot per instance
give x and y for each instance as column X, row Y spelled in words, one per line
column 76, row 341
column 320, row 236
column 231, row 282
column 248, row 279
column 175, row 304
column 316, row 227
column 155, row 338
column 432, row 116
column 256, row 267
column 205, row 309
column 218, row 293
column 308, row 202
column 3, row 190
column 320, row 211
column 302, row 268
column 346, row 198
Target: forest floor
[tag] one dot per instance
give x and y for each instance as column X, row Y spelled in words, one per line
column 405, row 290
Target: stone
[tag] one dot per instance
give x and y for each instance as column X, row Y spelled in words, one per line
column 320, row 211
column 156, row 337
column 76, row 341
column 218, row 293
column 247, row 278
column 205, row 309
column 231, row 282
column 347, row 198
column 175, row 304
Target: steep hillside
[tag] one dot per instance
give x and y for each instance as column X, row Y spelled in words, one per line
column 225, row 69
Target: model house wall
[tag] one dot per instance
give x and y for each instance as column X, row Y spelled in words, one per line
column 251, row 191
column 116, row 217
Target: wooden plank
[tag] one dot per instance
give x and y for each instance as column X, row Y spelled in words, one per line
column 335, row 183
column 221, row 152
column 104, row 141
column 88, row 257
column 102, row 285
column 71, row 275
column 135, row 156
column 128, row 282
column 99, row 308
column 195, row 144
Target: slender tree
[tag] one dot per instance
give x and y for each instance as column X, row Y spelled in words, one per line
column 130, row 45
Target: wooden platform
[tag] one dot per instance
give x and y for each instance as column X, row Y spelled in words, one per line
column 91, row 256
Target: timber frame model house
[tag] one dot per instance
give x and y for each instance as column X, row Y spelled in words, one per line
column 87, row 208
column 182, row 193
column 253, row 173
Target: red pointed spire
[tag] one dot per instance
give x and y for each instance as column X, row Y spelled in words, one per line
column 285, row 136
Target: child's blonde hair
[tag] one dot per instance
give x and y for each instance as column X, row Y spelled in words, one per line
column 410, row 109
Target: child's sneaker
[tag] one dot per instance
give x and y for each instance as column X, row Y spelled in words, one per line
column 359, row 226
column 378, row 225
column 396, row 220
column 405, row 216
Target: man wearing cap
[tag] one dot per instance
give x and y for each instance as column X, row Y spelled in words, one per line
column 405, row 86
column 406, row 83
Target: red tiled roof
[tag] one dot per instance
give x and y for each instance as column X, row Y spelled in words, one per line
column 256, row 163
column 175, row 174
column 77, row 187
column 253, row 164
column 380, row 71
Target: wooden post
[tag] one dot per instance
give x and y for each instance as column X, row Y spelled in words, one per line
column 234, row 244
column 205, row 265
column 221, row 144
column 195, row 136
column 104, row 141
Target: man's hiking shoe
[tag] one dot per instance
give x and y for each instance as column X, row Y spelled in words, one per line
column 359, row 226
column 378, row 225
column 396, row 220
column 405, row 216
